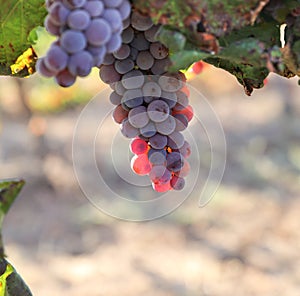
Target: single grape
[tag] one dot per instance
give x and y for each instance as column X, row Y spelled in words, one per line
column 72, row 41
column 140, row 22
column 51, row 27
column 138, row 146
column 140, row 164
column 138, row 117
column 166, row 127
column 115, row 98
column 119, row 88
column 72, row 4
column 108, row 74
column 158, row 110
column 99, row 32
column 169, row 83
column 150, row 34
column 151, row 89
column 133, row 53
column 124, row 9
column 177, row 183
column 122, row 53
column 181, row 122
column 128, row 130
column 170, row 98
column 124, row 66
column 112, row 3
column 114, row 43
column 160, row 66
column 42, row 68
column 133, row 79
column 79, row 19
column 175, row 161
column 114, row 19
column 175, row 140
column 109, row 59
column 80, row 63
column 94, row 8
column 139, row 42
column 58, row 14
column 157, row 157
column 65, row 78
column 149, row 130
column 144, row 60
column 56, row 59
column 188, row 112
column 158, row 50
column 127, row 35
column 119, row 114
column 133, row 98
column 158, row 141
column 160, row 174
column 182, row 101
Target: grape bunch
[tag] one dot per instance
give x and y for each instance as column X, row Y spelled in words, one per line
column 87, row 30
column 152, row 105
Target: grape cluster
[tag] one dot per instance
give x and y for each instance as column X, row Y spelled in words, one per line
column 152, row 105
column 87, row 30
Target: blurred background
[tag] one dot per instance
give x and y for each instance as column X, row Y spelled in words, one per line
column 244, row 242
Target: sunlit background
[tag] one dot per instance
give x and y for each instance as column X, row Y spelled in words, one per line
column 244, row 242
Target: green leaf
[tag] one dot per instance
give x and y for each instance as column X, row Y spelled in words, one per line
column 183, row 59
column 175, row 41
column 17, row 20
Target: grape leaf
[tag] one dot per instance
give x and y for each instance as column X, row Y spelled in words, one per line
column 18, row 18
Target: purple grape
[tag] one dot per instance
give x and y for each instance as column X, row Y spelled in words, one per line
column 149, row 130
column 175, row 161
column 138, row 117
column 98, row 53
column 122, row 53
column 108, row 74
column 72, row 41
column 166, row 127
column 169, row 83
column 112, row 3
column 158, row 111
column 150, row 34
column 177, row 183
column 160, row 66
column 114, row 19
column 42, row 68
column 79, row 19
column 109, row 59
column 56, row 59
column 80, row 63
column 128, row 130
column 124, row 9
column 124, row 66
column 175, row 140
column 65, row 78
column 114, row 43
column 127, row 35
column 115, row 98
column 72, row 4
column 170, row 98
column 140, row 22
column 181, row 122
column 58, row 14
column 182, row 101
column 185, row 150
column 157, row 157
column 159, row 173
column 151, row 89
column 139, row 42
column 94, row 8
column 119, row 88
column 133, row 79
column 98, row 32
column 51, row 27
column 144, row 60
column 158, row 141
column 133, row 98
column 158, row 50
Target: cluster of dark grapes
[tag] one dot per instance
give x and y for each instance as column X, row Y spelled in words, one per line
column 152, row 105
column 87, row 30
